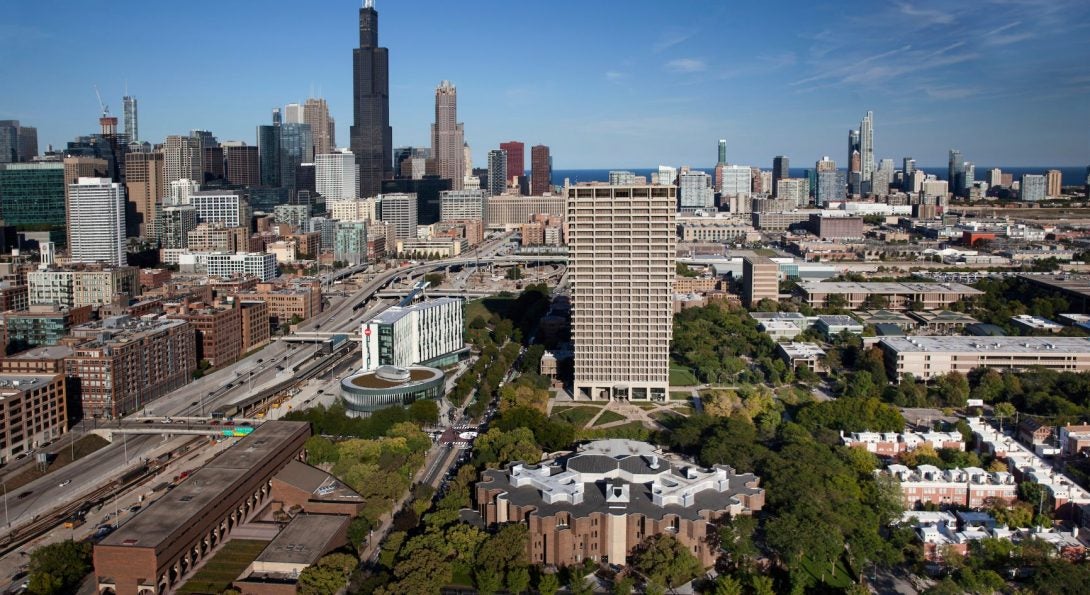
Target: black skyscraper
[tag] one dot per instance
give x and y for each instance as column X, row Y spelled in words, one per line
column 372, row 137
column 780, row 170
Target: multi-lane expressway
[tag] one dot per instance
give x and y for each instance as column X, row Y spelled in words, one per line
column 232, row 383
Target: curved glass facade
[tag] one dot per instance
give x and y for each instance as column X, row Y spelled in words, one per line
column 366, row 393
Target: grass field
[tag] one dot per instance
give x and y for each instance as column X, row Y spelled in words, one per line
column 632, row 430
column 218, row 573
column 837, row 578
column 577, row 416
column 665, row 415
column 682, row 376
column 486, row 307
column 608, row 417
column 679, row 395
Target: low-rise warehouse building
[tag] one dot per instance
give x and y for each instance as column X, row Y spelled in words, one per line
column 927, row 357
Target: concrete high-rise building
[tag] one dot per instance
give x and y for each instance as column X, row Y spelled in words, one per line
column 448, row 136
column 737, row 181
column 182, row 158
column 179, row 191
column 666, row 176
column 1054, row 183
column 371, row 136
column 696, row 192
column 132, row 125
column 622, row 242
column 350, row 242
column 293, row 114
column 1033, row 188
column 866, row 146
column 825, row 164
column 952, row 167
column 242, row 164
column 795, row 191
column 832, row 186
column 882, row 178
column 761, row 280
column 781, row 168
column 516, row 158
column 323, row 129
column 399, row 210
column 461, row 205
column 497, row 172
column 541, row 170
column 964, row 178
column 722, row 152
column 335, row 175
column 217, row 206
column 96, row 221
column 757, row 181
column 145, row 184
column 622, row 178
column 83, row 167
column 995, row 177
column 173, row 225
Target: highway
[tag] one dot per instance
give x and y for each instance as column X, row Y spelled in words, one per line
column 232, row 383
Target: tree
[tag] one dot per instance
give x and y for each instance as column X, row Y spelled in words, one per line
column 579, row 584
column 736, row 539
column 663, row 559
column 434, row 279
column 728, row 585
column 59, row 567
column 518, row 579
column 623, row 586
column 488, row 580
column 319, row 580
column 762, row 585
column 424, row 411
column 548, row 583
column 1003, row 411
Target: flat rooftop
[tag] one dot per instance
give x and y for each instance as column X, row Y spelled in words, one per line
column 178, row 508
column 22, row 382
column 304, row 540
column 844, row 287
column 44, row 352
column 801, row 349
column 395, row 313
column 1034, row 345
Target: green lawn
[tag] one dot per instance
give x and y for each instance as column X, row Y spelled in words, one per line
column 219, row 572
column 682, row 376
column 665, row 415
column 608, row 417
column 837, row 578
column 486, row 307
column 680, row 395
column 632, row 430
column 577, row 416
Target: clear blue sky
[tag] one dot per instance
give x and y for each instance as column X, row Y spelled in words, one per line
column 625, row 84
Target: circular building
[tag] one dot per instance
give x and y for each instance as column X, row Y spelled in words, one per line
column 389, row 386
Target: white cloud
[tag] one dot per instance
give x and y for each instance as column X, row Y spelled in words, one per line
column 614, row 76
column 686, row 65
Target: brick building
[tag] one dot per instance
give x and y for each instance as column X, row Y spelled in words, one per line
column 605, row 499
column 156, row 550
column 218, row 328
column 33, row 410
column 126, row 363
column 256, row 329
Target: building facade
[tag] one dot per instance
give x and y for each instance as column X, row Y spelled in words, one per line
column 761, row 280
column 605, row 499
column 926, row 356
column 461, row 205
column 448, row 136
column 96, row 221
column 145, row 184
column 541, row 170
column 33, row 411
column 335, row 175
column 127, row 363
column 428, row 333
column 622, row 242
column 255, row 264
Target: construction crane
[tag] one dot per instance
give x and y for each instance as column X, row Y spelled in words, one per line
column 105, row 108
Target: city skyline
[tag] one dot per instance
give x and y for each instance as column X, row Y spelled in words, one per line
column 936, row 76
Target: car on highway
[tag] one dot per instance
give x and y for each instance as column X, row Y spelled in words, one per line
column 214, row 422
column 24, row 494
column 64, row 483
column 135, row 508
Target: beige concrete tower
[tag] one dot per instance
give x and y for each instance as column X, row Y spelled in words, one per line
column 316, row 113
column 622, row 243
column 144, row 185
column 448, row 136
